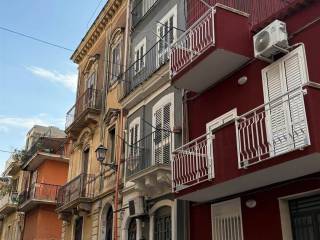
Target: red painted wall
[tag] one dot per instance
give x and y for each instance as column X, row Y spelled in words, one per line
column 53, row 172
column 42, row 223
column 228, row 94
column 200, row 222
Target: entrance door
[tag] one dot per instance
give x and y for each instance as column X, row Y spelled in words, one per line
column 305, row 218
column 162, row 224
column 132, row 230
column 109, row 224
column 78, row 228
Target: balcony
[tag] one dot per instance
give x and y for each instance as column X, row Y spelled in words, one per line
column 140, row 9
column 38, row 194
column 206, row 53
column 77, row 192
column 148, row 160
column 150, row 64
column 8, row 203
column 85, row 111
column 266, row 145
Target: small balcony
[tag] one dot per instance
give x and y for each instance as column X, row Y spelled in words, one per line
column 206, row 52
column 85, row 111
column 8, row 203
column 148, row 160
column 266, row 145
column 140, row 9
column 149, row 65
column 77, row 192
column 38, row 194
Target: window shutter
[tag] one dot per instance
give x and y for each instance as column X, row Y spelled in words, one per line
column 293, row 75
column 158, row 137
column 275, row 113
column 227, row 220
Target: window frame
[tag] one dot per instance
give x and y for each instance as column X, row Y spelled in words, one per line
column 142, row 58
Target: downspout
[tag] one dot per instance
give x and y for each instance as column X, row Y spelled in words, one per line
column 120, row 131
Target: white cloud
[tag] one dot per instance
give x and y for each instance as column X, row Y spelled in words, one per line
column 69, row 80
column 7, row 123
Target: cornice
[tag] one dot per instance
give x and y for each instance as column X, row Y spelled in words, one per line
column 105, row 16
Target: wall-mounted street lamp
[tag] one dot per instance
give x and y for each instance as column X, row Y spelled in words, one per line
column 101, row 153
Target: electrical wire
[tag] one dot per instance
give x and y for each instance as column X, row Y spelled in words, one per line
column 5, row 151
column 94, row 12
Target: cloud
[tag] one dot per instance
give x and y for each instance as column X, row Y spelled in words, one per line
column 69, row 80
column 7, row 122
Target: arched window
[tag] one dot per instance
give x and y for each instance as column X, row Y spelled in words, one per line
column 115, row 55
column 132, row 230
column 109, row 224
column 162, row 224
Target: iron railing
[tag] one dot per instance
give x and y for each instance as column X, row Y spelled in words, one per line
column 192, row 43
column 192, row 163
column 154, row 149
column 82, row 186
column 140, row 9
column 272, row 129
column 90, row 99
column 11, row 198
column 39, row 191
column 47, row 145
column 149, row 63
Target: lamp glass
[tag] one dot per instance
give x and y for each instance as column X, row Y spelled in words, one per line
column 101, row 152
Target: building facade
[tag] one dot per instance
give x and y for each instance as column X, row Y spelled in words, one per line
column 89, row 202
column 249, row 167
column 30, row 185
column 153, row 124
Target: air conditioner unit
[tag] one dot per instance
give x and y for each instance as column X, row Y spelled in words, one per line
column 271, row 40
column 137, row 207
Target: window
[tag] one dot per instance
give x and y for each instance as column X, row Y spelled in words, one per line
column 115, row 62
column 90, row 85
column 163, row 122
column 111, row 144
column 85, row 160
column 305, row 218
column 162, row 224
column 227, row 220
column 167, row 34
column 285, row 115
column 139, row 56
column 78, row 228
column 109, row 224
column 134, row 150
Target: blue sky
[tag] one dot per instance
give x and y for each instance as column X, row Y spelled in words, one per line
column 38, row 82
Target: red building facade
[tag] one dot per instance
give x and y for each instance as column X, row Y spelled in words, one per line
column 250, row 164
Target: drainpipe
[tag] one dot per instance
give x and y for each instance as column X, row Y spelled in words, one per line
column 118, row 173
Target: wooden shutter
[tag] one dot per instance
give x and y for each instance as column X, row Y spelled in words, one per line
column 227, row 220
column 157, row 138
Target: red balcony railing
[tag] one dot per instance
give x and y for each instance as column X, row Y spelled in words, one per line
column 193, row 162
column 90, row 99
column 39, row 191
column 81, row 187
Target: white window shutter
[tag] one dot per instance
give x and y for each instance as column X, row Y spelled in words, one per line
column 227, row 220
column 293, row 68
column 277, row 126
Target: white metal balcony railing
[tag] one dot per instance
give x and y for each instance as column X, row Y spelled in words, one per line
column 193, row 162
column 192, row 43
column 272, row 129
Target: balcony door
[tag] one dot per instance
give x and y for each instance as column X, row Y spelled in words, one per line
column 163, row 122
column 162, row 224
column 166, row 32
column 78, row 228
column 90, row 88
column 285, row 112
